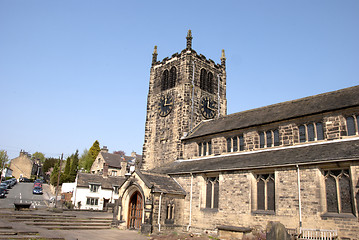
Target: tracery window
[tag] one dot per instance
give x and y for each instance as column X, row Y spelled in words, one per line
column 170, row 211
column 212, row 192
column 265, row 192
column 338, row 191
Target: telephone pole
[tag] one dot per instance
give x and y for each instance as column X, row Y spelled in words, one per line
column 58, row 180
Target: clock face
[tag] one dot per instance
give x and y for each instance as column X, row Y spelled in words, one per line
column 165, row 105
column 208, row 107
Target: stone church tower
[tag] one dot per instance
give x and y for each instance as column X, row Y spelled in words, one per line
column 183, row 91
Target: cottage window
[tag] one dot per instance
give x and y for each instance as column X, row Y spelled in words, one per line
column 94, row 187
column 338, row 191
column 265, row 192
column 92, row 201
column 114, row 173
column 212, row 192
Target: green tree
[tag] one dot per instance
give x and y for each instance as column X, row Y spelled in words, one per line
column 65, row 177
column 38, row 156
column 55, row 174
column 48, row 164
column 74, row 165
column 84, row 159
column 4, row 158
column 94, row 150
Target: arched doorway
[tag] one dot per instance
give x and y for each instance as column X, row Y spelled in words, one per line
column 135, row 209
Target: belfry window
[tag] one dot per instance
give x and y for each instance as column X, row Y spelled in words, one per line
column 212, row 192
column 173, row 77
column 265, row 192
column 206, row 81
column 164, row 80
column 338, row 191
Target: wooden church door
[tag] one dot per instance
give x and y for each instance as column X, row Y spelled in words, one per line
column 135, row 211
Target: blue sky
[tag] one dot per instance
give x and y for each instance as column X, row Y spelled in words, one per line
column 72, row 72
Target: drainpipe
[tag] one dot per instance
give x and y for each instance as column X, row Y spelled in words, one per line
column 159, row 213
column 300, row 203
column 190, row 205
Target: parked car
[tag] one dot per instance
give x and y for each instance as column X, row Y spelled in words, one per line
column 5, row 185
column 2, row 193
column 4, row 188
column 37, row 184
column 24, row 179
column 37, row 190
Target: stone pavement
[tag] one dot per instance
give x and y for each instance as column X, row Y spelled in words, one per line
column 18, row 224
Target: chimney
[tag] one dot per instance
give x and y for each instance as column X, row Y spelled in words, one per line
column 133, row 154
column 105, row 170
column 104, row 149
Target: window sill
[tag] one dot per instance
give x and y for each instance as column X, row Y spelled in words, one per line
column 263, row 212
column 337, row 215
column 211, row 210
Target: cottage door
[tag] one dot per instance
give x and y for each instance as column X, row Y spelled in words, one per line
column 135, row 211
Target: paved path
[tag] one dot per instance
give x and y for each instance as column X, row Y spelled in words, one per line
column 105, row 234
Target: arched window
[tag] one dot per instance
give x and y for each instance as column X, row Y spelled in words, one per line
column 173, row 77
column 350, row 126
column 210, row 82
column 164, row 81
column 203, row 79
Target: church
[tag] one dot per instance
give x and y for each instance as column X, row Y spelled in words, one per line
column 294, row 162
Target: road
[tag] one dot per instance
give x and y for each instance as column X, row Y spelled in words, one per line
column 22, row 192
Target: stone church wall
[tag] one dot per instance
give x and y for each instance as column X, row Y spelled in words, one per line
column 334, row 127
column 237, row 201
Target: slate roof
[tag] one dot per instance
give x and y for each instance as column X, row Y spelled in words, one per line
column 113, row 160
column 161, row 183
column 336, row 100
column 344, row 150
column 84, row 179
